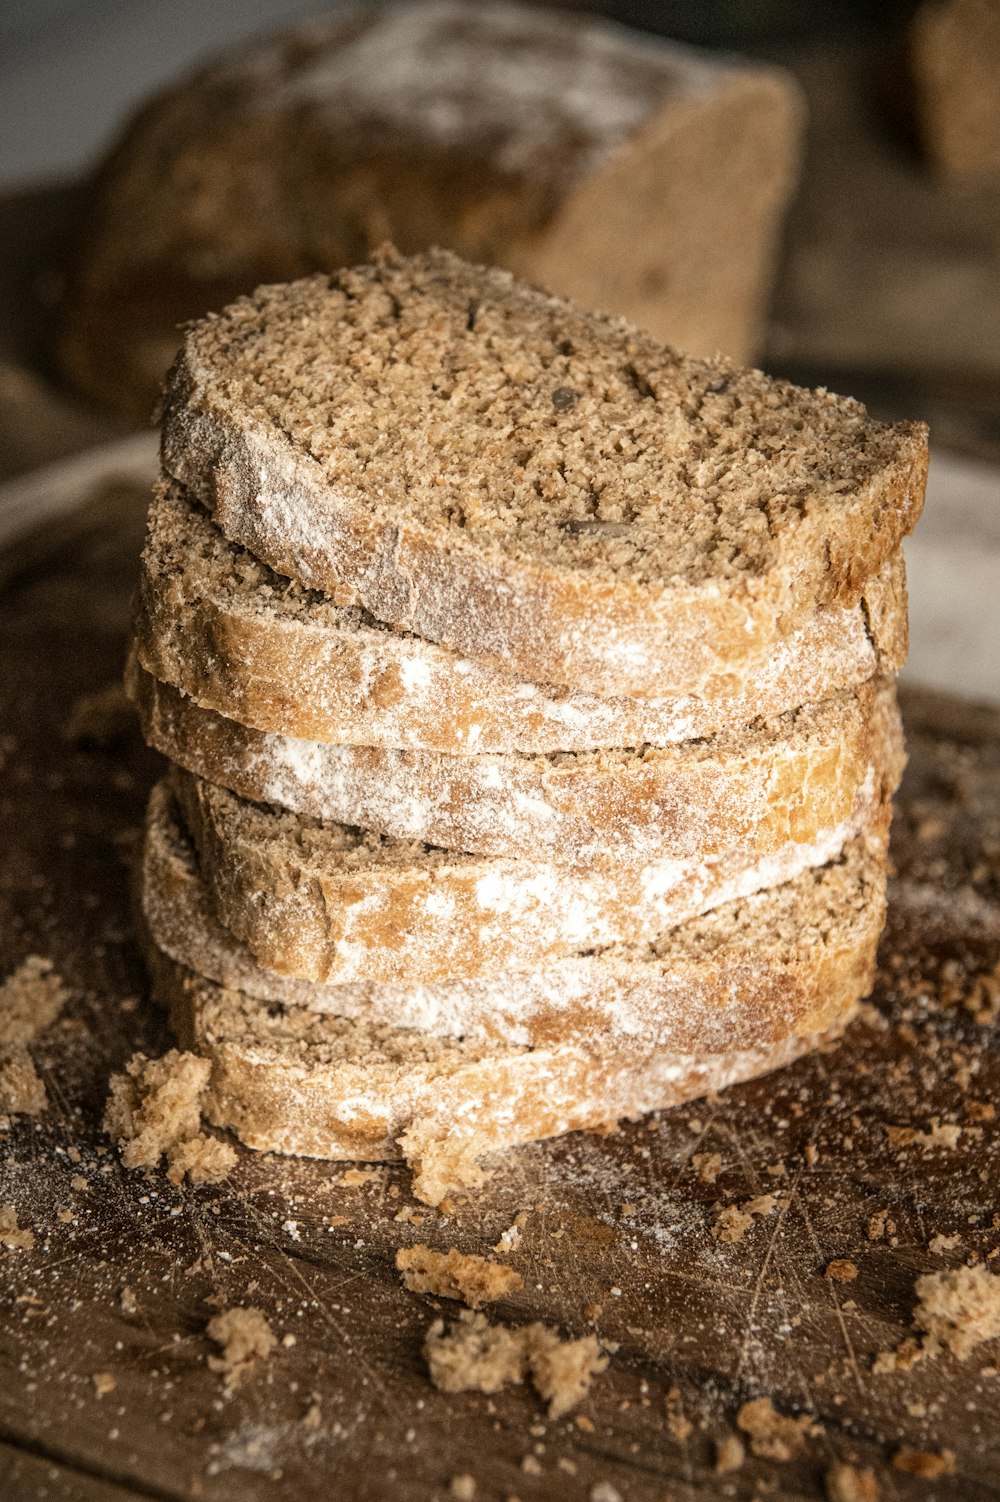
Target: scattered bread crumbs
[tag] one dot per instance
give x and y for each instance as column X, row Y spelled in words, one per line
column 946, row 1135
column 729, row 1454
column 773, row 1435
column 510, row 1238
column 154, row 1111
column 31, row 999
column 456, row 1275
column 462, row 1488
column 846, row 1483
column 11, row 1237
column 841, row 1270
column 880, row 1225
column 927, row 1464
column 104, row 1383
column 732, row 1222
column 475, row 1356
column 245, row 1337
column 942, row 1243
column 707, row 1166
column 958, row 1309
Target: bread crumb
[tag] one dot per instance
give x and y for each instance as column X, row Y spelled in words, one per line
column 773, row 1435
column 104, row 1383
column 11, row 1237
column 901, row 1359
column 78, row 1182
column 510, row 1238
column 440, row 1166
column 477, row 1356
column 530, row 1466
column 355, row 1177
column 456, row 1275
column 729, row 1454
column 732, row 1222
column 562, row 1370
column 927, row 1464
column 947, row 1135
column 31, row 999
column 707, row 1166
column 245, row 1337
column 958, row 1309
column 154, row 1111
column 845, row 1483
column 841, row 1270
column 205, row 1160
column 22, row 1091
column 127, row 1301
column 880, row 1225
column 679, row 1426
column 462, row 1488
column 603, row 1491
column 942, row 1243
column 585, row 1425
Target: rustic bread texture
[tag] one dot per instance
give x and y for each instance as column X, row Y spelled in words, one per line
column 773, row 959
column 604, row 164
column 253, row 646
column 571, row 808
column 324, row 1087
column 545, row 489
column 331, row 903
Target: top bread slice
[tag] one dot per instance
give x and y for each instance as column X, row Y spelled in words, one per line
column 546, row 489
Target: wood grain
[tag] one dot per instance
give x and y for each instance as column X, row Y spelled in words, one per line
column 617, row 1236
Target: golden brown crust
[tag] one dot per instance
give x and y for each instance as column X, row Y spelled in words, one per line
column 714, row 563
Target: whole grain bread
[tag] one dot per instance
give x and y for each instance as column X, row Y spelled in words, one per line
column 571, row 808
column 241, row 640
column 608, row 165
column 307, row 1083
column 330, row 903
column 544, row 489
column 781, row 948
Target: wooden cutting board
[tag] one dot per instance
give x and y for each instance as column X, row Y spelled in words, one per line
column 105, row 1387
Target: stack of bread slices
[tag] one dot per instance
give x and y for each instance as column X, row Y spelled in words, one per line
column 529, row 693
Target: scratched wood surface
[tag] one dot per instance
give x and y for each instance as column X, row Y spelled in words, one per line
column 617, row 1233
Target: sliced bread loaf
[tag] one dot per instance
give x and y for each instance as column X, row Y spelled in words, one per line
column 332, row 903
column 572, row 808
column 250, row 644
column 542, row 488
column 768, row 959
column 607, row 164
column 294, row 1081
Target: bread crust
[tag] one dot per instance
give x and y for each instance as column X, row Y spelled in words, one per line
column 330, row 904
column 301, row 1083
column 770, row 958
column 621, row 807
column 239, row 640
column 550, row 623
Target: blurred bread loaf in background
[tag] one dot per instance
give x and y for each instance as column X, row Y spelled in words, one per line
column 639, row 176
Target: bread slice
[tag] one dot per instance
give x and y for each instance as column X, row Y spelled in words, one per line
column 609, row 165
column 780, row 951
column 253, row 646
column 545, row 489
column 331, row 903
column 307, row 1083
column 572, row 808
